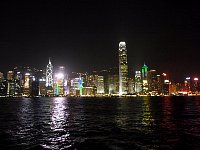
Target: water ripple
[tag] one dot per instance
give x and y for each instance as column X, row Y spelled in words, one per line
column 138, row 123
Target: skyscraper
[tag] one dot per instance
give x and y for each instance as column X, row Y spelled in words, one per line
column 10, row 75
column 27, row 85
column 144, row 79
column 138, row 82
column 123, row 69
column 49, row 78
column 59, row 80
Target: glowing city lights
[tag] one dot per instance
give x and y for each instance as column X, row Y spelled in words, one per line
column 59, row 76
column 164, row 74
column 56, row 82
column 123, row 68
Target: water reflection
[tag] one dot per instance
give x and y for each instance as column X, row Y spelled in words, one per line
column 191, row 122
column 136, row 123
column 147, row 118
column 122, row 118
column 58, row 114
column 167, row 114
column 60, row 136
column 24, row 129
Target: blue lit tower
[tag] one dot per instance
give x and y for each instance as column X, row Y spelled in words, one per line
column 49, row 78
column 80, row 85
column 123, row 69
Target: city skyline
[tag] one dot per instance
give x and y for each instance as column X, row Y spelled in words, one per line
column 82, row 35
column 57, row 81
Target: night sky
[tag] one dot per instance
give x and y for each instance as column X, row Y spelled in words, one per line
column 83, row 35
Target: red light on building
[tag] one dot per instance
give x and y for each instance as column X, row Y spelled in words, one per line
column 164, row 74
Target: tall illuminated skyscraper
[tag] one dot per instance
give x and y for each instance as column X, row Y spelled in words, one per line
column 49, row 78
column 59, row 80
column 138, row 82
column 144, row 79
column 123, row 69
column 49, row 74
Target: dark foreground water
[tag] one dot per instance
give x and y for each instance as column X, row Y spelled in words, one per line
column 100, row 123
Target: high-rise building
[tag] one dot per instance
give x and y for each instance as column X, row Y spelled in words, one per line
column 99, row 84
column 166, row 89
column 113, row 82
column 19, row 83
column 123, row 69
column 75, row 87
column 34, row 86
column 3, row 84
column 105, row 74
column 59, row 79
column 42, row 86
column 10, row 83
column 152, row 81
column 195, row 85
column 187, row 85
column 138, row 82
column 131, row 86
column 144, row 79
column 10, row 75
column 1, row 77
column 49, row 79
column 27, row 85
column 3, row 87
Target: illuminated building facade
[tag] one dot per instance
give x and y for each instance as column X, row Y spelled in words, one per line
column 96, row 81
column 75, row 87
column 90, row 80
column 89, row 91
column 138, row 82
column 42, row 86
column 10, row 75
column 144, row 79
column 131, row 86
column 166, row 86
column 18, row 83
column 10, row 83
column 152, row 81
column 80, row 81
column 3, row 85
column 104, row 74
column 1, row 77
column 123, row 69
column 49, row 79
column 60, row 81
column 27, row 88
column 34, row 86
column 187, row 85
column 113, row 84
column 100, row 85
column 195, row 85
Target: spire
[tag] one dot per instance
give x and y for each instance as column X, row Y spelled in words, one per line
column 144, row 64
column 49, row 60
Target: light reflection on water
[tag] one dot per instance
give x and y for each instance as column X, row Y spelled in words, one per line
column 129, row 123
column 59, row 124
column 147, row 118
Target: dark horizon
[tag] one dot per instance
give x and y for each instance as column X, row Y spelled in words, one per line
column 84, row 35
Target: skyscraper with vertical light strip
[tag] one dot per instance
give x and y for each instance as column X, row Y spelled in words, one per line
column 123, row 69
column 49, row 75
column 49, row 79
